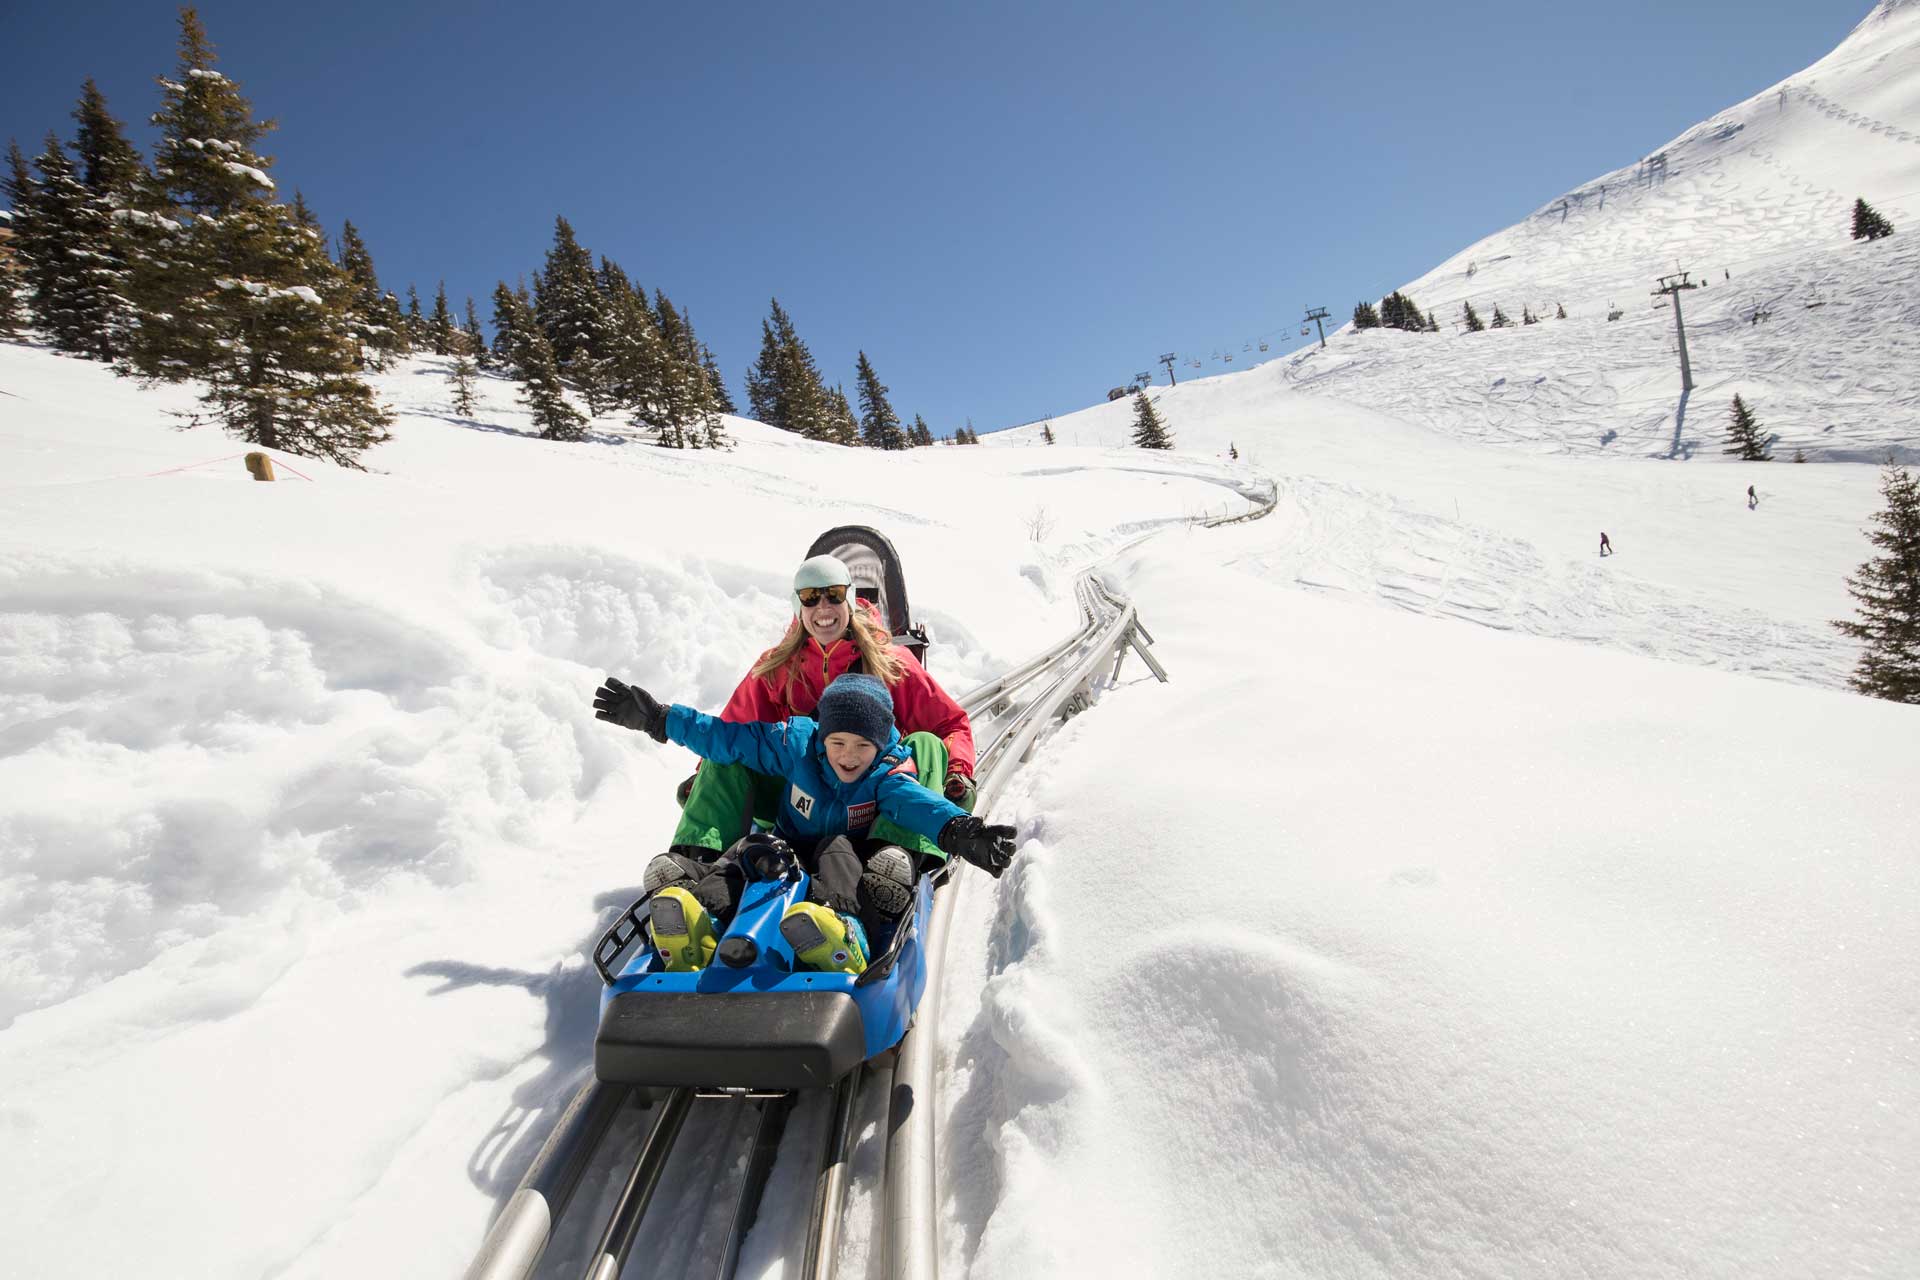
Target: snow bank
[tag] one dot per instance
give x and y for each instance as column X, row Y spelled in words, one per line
column 1389, row 947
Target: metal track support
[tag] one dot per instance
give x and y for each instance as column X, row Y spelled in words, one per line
column 766, row 1145
column 830, row 1184
column 520, row 1234
column 616, row 1242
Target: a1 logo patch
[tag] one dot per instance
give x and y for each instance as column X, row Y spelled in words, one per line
column 802, row 802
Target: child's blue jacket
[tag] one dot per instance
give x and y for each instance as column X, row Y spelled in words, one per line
column 815, row 804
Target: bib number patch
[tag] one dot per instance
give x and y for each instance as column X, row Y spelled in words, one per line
column 802, row 802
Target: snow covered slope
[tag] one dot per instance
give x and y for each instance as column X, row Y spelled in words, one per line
column 305, row 829
column 1756, row 203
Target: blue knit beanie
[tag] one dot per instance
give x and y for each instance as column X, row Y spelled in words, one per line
column 857, row 704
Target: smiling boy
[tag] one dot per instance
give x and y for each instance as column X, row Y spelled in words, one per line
column 842, row 769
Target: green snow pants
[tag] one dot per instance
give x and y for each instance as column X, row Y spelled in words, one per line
column 727, row 800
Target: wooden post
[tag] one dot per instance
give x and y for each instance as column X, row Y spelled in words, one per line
column 260, row 465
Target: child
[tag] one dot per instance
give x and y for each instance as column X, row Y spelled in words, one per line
column 842, row 768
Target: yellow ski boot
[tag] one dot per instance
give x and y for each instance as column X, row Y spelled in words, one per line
column 824, row 940
column 682, row 930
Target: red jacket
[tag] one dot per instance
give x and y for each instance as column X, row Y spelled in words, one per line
column 920, row 705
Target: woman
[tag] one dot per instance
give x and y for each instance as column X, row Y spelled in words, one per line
column 832, row 633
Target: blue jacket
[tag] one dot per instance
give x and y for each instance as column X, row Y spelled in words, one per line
column 816, row 805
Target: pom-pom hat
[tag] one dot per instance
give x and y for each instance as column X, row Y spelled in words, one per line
column 857, row 704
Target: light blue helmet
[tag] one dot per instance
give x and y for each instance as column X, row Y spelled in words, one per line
column 820, row 571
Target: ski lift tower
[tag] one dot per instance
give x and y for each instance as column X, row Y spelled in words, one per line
column 1168, row 360
column 1318, row 316
column 1672, row 286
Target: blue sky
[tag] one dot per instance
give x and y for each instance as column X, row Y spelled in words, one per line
column 1009, row 206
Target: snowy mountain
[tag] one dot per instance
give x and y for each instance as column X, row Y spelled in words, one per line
column 1756, row 205
column 1575, row 942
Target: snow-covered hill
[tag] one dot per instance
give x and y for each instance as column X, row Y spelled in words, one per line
column 1756, row 204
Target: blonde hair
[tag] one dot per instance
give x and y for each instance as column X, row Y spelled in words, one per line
column 873, row 640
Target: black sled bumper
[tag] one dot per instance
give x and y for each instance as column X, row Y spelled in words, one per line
column 747, row 1040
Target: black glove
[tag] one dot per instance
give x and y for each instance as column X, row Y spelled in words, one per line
column 961, row 790
column 988, row 848
column 630, row 707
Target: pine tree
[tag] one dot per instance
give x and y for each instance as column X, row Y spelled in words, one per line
column 116, row 183
column 416, row 324
column 635, row 365
column 67, row 243
column 689, row 418
column 1867, row 222
column 440, row 327
column 24, row 248
column 1887, row 589
column 67, row 247
column 722, row 398
column 675, row 410
column 461, row 379
column 1397, row 311
column 9, row 303
column 1560, row 311
column 541, row 389
column 804, row 392
column 237, row 289
column 1364, row 316
column 879, row 424
column 784, row 387
column 1500, row 320
column 507, row 338
column 108, row 162
column 1233, row 451
column 1527, row 316
column 473, row 339
column 1149, row 432
column 1744, row 434
column 1474, row 323
column 376, row 314
column 567, row 303
column 763, row 377
column 842, row 427
column 1433, row 325
column 1046, row 432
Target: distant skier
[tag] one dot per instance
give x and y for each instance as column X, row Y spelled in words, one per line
column 1606, row 547
column 1753, row 499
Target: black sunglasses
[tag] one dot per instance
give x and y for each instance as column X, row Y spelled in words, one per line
column 811, row 596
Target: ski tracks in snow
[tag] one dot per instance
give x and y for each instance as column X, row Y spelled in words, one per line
column 1333, row 537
